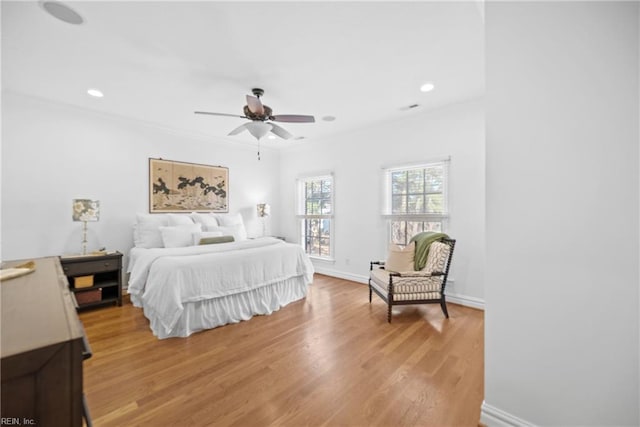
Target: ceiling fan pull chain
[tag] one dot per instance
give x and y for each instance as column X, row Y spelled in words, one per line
column 258, row 150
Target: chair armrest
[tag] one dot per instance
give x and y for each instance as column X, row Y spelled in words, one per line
column 416, row 274
column 380, row 264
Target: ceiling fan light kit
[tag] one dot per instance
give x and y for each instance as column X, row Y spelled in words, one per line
column 258, row 129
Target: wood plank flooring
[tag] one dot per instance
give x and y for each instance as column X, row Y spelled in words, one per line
column 329, row 360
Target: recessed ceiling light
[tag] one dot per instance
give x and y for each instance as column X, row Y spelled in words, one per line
column 328, row 118
column 271, row 137
column 62, row 12
column 95, row 92
column 427, row 87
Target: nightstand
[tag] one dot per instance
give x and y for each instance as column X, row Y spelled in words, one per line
column 95, row 280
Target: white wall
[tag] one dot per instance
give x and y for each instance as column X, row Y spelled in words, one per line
column 356, row 159
column 53, row 153
column 561, row 322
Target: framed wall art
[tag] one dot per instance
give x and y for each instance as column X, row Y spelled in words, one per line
column 187, row 187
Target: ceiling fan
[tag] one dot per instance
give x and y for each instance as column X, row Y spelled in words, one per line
column 261, row 117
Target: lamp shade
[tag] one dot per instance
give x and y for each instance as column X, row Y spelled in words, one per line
column 263, row 210
column 86, row 210
column 258, row 129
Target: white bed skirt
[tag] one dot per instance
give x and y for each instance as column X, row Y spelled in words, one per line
column 215, row 312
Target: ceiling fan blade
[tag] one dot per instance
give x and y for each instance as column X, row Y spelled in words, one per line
column 238, row 129
column 255, row 105
column 220, row 114
column 292, row 118
column 280, row 131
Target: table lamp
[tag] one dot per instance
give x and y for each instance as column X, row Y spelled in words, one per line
column 85, row 210
column 264, row 210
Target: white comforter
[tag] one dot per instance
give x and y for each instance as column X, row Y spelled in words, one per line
column 161, row 280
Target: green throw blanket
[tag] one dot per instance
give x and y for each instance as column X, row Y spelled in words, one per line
column 423, row 243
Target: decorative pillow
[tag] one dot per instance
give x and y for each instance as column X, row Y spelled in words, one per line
column 207, row 220
column 146, row 233
column 237, row 231
column 437, row 258
column 179, row 236
column 214, row 240
column 400, row 259
column 197, row 237
column 179, row 219
column 212, row 228
column 230, row 220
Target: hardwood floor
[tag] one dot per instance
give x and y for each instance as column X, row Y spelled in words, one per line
column 331, row 359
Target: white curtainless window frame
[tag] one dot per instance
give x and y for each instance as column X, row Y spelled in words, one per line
column 415, row 199
column 315, row 212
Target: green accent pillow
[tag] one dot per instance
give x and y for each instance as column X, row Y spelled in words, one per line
column 214, row 240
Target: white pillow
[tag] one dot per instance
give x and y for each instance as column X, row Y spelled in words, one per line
column 179, row 236
column 237, row 231
column 179, row 219
column 146, row 232
column 204, row 234
column 400, row 259
column 207, row 220
column 230, row 220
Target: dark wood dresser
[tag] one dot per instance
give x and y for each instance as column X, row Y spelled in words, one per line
column 42, row 348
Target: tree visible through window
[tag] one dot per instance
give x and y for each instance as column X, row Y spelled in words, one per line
column 316, row 213
column 416, row 200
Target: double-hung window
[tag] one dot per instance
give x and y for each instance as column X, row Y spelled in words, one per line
column 315, row 212
column 415, row 199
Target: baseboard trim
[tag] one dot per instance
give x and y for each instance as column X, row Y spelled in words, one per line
column 465, row 300
column 491, row 416
column 342, row 275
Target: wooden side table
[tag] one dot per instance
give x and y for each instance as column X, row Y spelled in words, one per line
column 95, row 280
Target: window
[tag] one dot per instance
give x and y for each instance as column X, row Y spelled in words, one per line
column 415, row 200
column 315, row 211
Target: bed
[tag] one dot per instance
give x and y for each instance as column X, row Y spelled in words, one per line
column 187, row 289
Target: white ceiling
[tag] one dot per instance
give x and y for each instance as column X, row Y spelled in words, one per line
column 362, row 62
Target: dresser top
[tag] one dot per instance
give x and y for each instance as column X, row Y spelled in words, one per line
column 37, row 309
